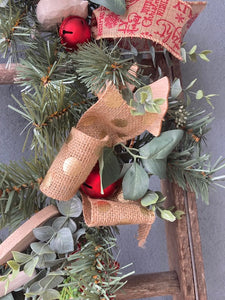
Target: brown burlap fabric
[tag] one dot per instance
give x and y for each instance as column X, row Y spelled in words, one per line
column 106, row 123
column 162, row 21
column 117, row 211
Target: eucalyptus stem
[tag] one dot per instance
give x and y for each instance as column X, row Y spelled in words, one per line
column 130, row 152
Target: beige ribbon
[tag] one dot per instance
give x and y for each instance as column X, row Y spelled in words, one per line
column 106, row 123
column 162, row 21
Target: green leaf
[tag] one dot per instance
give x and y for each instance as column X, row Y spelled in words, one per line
column 191, row 84
column 203, row 57
column 149, row 199
column 135, row 182
column 199, row 95
column 20, row 257
column 193, row 57
column 50, row 294
column 156, row 166
column 193, row 50
column 41, row 248
column 178, row 214
column 167, row 215
column 159, row 101
column 160, row 147
column 43, row 233
column 79, row 233
column 116, row 6
column 71, row 208
column 144, row 94
column 63, row 242
column 46, row 258
column 30, row 266
column 176, row 88
column 51, row 281
column 206, row 52
column 62, row 221
column 109, row 167
column 183, row 54
column 13, row 265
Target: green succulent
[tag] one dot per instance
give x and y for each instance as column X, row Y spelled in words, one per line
column 143, row 102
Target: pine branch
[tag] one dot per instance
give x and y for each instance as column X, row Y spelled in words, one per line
column 97, row 64
column 19, row 191
column 15, row 28
column 50, row 114
column 194, row 173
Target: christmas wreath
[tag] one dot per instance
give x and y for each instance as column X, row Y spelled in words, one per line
column 102, row 119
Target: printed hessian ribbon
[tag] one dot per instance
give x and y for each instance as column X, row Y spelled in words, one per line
column 162, row 21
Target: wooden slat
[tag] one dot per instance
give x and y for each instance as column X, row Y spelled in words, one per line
column 150, row 285
column 184, row 244
column 7, row 76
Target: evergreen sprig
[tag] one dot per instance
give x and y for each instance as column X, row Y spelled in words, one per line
column 20, row 196
column 194, row 173
column 15, row 28
column 50, row 113
column 98, row 63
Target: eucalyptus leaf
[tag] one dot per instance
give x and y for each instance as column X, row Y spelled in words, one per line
column 30, row 266
column 13, row 265
column 20, row 257
column 51, row 281
column 176, row 88
column 149, row 199
column 38, row 277
column 63, row 242
column 50, row 294
column 135, row 182
column 203, row 57
column 193, row 50
column 167, row 215
column 71, row 208
column 43, row 233
column 156, row 167
column 160, row 147
column 127, row 95
column 109, row 168
column 62, row 221
column 191, row 84
column 199, row 95
column 79, row 233
column 41, row 248
column 44, row 258
column 178, row 214
column 116, row 6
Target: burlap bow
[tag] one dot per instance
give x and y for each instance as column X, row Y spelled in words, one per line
column 106, row 123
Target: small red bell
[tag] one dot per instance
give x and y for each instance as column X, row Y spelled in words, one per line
column 73, row 31
column 92, row 185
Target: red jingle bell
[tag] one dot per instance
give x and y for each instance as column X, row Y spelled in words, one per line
column 92, row 185
column 74, row 30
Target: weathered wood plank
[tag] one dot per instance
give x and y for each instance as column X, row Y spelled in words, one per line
column 149, row 285
column 184, row 244
column 7, row 76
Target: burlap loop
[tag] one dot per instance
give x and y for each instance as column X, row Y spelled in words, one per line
column 117, row 211
column 72, row 165
column 162, row 21
column 106, row 123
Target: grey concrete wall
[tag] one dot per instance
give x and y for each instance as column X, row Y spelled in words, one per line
column 208, row 32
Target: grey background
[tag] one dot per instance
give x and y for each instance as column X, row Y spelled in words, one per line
column 208, row 33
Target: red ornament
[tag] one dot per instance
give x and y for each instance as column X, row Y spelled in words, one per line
column 92, row 185
column 73, row 31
